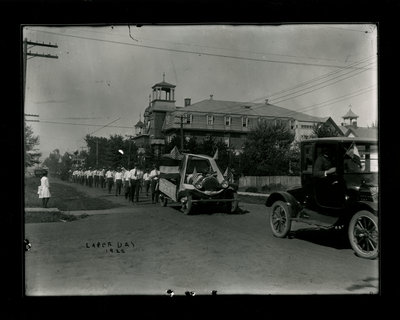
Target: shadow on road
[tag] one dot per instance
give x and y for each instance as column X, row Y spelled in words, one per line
column 366, row 283
column 329, row 238
column 209, row 209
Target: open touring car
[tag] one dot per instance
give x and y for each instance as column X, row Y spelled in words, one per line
column 347, row 198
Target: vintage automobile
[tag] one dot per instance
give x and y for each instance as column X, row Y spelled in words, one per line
column 193, row 179
column 346, row 199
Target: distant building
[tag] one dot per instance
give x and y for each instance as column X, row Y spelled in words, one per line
column 229, row 121
column 353, row 130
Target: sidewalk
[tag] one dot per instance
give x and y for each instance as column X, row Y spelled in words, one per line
column 42, row 210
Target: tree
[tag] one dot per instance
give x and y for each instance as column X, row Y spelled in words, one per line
column 65, row 166
column 267, row 150
column 53, row 162
column 32, row 154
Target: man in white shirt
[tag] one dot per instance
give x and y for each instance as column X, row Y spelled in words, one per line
column 125, row 178
column 146, row 181
column 109, row 179
column 118, row 181
column 102, row 178
column 154, row 175
column 132, row 182
column 136, row 182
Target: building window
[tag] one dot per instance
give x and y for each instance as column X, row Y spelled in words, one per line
column 228, row 120
column 292, row 124
column 245, row 122
column 210, row 120
column 188, row 118
column 226, row 140
column 307, row 126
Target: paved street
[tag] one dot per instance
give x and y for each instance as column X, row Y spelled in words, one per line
column 147, row 249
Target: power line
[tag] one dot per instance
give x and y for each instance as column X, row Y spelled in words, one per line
column 85, row 124
column 326, row 75
column 301, row 94
column 335, row 100
column 194, row 52
column 104, row 126
column 201, row 46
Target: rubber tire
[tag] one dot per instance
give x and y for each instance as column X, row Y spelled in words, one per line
column 187, row 208
column 232, row 207
column 286, row 222
column 364, row 214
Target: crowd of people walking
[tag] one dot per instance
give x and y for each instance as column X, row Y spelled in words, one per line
column 128, row 182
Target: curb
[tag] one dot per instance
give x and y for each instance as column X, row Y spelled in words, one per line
column 42, row 210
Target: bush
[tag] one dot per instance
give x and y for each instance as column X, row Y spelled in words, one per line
column 252, row 189
column 273, row 187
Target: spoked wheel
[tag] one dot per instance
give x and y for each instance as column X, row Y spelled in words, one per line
column 363, row 234
column 232, row 207
column 280, row 219
column 187, row 206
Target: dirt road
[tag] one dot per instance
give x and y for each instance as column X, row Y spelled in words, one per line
column 147, row 249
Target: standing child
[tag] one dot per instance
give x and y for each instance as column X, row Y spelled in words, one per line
column 44, row 190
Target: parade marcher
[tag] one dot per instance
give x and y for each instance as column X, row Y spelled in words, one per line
column 91, row 177
column 44, row 190
column 86, row 177
column 146, row 181
column 139, row 178
column 118, row 181
column 154, row 175
column 132, row 182
column 96, row 177
column 110, row 179
column 102, row 178
column 126, row 178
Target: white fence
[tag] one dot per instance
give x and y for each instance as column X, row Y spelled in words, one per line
column 259, row 182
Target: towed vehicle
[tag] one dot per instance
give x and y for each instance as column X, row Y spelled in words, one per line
column 346, row 199
column 194, row 179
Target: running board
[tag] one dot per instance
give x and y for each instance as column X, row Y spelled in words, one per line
column 315, row 218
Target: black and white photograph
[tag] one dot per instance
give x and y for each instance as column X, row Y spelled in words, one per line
column 201, row 159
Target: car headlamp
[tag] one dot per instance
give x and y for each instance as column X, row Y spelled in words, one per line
column 373, row 190
column 224, row 184
column 199, row 185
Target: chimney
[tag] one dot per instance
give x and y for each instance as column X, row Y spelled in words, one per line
column 266, row 101
column 187, row 102
column 211, row 96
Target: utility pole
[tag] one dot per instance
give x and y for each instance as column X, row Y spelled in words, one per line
column 182, row 117
column 27, row 53
column 97, row 152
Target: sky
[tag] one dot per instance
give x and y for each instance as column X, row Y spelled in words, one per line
column 101, row 82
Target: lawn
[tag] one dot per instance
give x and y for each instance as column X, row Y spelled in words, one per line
column 64, row 197
column 40, row 217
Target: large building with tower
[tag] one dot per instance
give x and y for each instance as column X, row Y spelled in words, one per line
column 229, row 121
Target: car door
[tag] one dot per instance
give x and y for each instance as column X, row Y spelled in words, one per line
column 329, row 191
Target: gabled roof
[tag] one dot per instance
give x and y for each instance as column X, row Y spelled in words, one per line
column 350, row 115
column 247, row 108
column 343, row 129
column 363, row 132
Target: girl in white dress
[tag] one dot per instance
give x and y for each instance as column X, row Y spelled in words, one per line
column 44, row 192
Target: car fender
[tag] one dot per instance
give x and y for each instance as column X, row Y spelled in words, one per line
column 365, row 205
column 286, row 197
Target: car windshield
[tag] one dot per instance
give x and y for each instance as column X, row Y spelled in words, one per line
column 202, row 165
column 360, row 157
